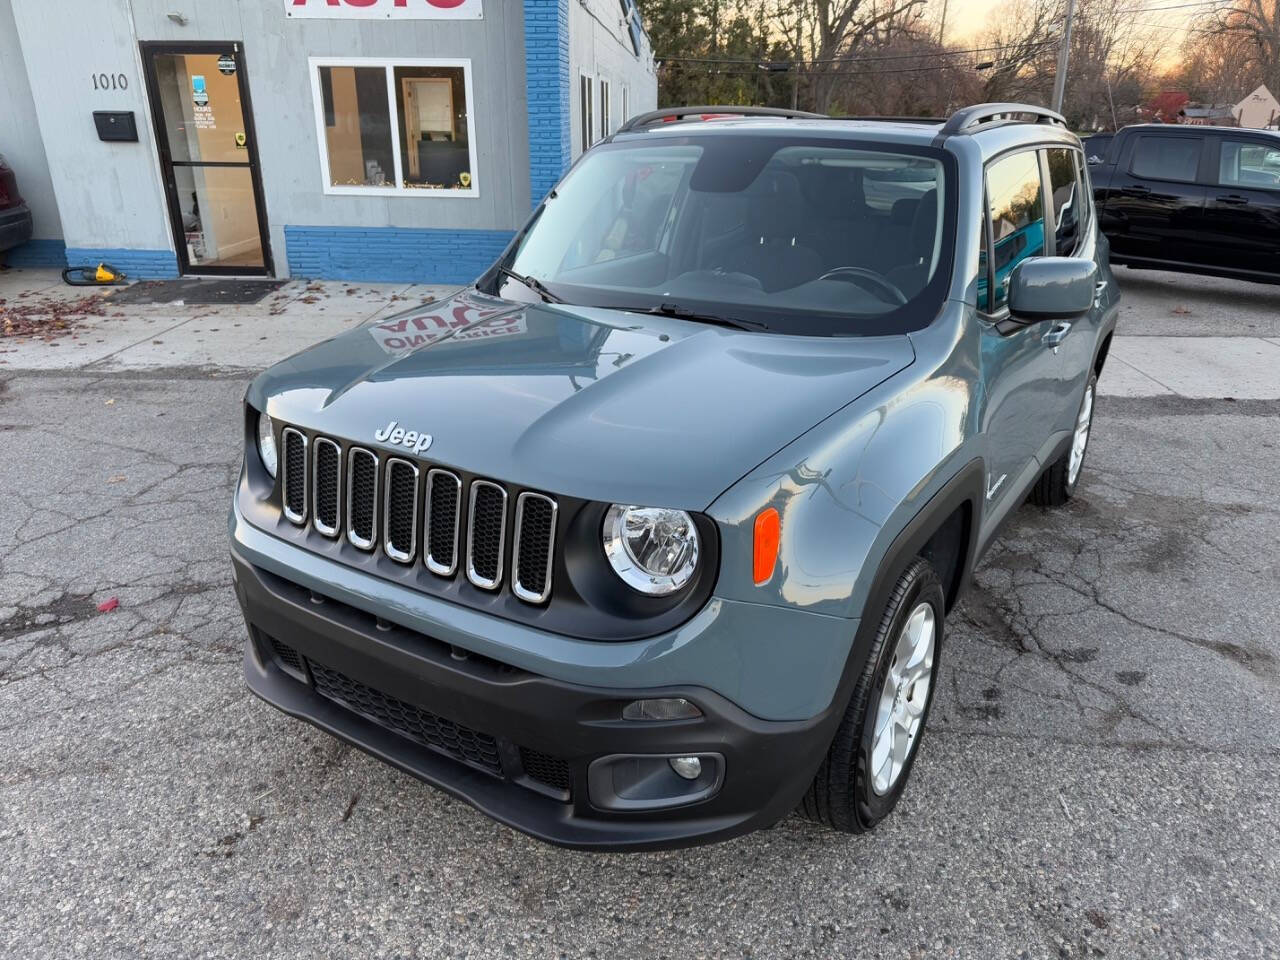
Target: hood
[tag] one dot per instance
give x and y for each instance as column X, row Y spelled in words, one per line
column 581, row 401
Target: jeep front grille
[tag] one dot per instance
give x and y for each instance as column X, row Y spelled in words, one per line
column 400, row 511
column 531, row 555
column 431, row 516
column 444, row 511
column 362, row 497
column 487, row 529
column 328, row 486
column 293, row 480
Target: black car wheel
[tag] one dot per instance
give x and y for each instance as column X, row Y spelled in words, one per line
column 870, row 758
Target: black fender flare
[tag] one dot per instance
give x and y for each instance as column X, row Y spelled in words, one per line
column 968, row 485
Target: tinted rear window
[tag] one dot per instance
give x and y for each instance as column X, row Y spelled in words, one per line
column 1166, row 158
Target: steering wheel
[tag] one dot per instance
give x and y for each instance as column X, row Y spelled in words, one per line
column 854, row 274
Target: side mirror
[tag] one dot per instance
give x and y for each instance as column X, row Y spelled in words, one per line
column 1051, row 288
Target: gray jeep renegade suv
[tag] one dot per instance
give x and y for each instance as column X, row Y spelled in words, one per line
column 649, row 537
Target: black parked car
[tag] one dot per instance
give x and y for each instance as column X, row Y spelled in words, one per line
column 1192, row 199
column 15, row 218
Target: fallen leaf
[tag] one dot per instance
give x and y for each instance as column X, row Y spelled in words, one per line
column 1181, row 311
column 117, row 478
column 111, row 402
column 108, row 605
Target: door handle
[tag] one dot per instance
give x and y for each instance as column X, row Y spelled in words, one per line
column 1135, row 191
column 1233, row 198
column 1057, row 333
column 1099, row 288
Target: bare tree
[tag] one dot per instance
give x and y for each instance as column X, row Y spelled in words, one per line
column 1257, row 22
column 825, row 37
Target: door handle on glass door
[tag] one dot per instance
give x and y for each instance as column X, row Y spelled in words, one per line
column 1057, row 333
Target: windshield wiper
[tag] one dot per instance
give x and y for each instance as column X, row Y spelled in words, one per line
column 719, row 320
column 533, row 283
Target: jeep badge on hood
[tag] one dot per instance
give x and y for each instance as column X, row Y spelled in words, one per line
column 410, row 439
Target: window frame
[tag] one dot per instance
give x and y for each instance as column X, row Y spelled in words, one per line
column 389, row 65
column 1051, row 214
column 1046, row 203
column 586, row 110
column 606, row 93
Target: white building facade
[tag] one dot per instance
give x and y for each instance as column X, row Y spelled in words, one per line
column 353, row 139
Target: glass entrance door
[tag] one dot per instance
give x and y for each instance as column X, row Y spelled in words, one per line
column 208, row 156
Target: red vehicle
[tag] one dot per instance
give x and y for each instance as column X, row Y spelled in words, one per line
column 15, row 217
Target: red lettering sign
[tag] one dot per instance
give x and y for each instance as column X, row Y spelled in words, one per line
column 385, row 9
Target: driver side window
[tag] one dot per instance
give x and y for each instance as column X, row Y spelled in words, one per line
column 1015, row 204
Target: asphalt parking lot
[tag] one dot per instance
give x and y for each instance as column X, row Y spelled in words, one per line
column 1099, row 778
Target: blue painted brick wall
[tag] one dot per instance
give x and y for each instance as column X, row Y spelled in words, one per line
column 546, row 58
column 37, row 253
column 392, row 254
column 136, row 264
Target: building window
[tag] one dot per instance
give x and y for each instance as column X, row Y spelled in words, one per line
column 586, row 115
column 395, row 127
column 604, row 109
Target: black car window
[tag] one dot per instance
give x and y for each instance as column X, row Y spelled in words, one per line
column 1166, row 158
column 1064, row 188
column 1249, row 164
column 1017, row 216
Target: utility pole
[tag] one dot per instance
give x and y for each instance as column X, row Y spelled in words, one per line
column 1064, row 53
column 942, row 27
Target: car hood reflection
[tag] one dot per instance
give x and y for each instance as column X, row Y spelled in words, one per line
column 588, row 402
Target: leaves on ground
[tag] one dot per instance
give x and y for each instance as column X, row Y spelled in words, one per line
column 48, row 318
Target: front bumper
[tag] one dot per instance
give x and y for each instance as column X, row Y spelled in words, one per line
column 512, row 743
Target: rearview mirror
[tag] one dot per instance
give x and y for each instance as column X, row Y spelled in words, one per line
column 1051, row 288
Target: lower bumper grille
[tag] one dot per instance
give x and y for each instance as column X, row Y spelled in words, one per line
column 462, row 743
column 548, row 770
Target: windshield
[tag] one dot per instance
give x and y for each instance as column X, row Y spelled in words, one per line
column 813, row 237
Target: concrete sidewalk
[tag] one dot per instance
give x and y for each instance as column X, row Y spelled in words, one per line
column 173, row 335
column 145, row 337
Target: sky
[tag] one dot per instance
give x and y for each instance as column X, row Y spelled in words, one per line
column 967, row 19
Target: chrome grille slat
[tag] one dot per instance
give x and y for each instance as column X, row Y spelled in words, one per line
column 443, row 522
column 400, row 510
column 532, row 554
column 362, row 497
column 486, row 534
column 327, row 473
column 293, row 475
column 391, row 502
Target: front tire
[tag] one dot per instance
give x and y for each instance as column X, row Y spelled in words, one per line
column 875, row 746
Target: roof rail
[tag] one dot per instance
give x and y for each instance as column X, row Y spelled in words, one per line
column 894, row 119
column 970, row 119
column 679, row 113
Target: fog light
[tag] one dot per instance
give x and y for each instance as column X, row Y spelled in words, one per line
column 666, row 708
column 688, row 767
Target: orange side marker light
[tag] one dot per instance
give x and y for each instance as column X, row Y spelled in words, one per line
column 767, row 534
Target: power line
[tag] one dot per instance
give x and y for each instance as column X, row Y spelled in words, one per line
column 849, row 59
column 1178, row 6
column 737, row 71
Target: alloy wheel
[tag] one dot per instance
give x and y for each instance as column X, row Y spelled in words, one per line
column 903, row 698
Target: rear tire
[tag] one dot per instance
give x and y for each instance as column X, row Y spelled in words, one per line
column 856, row 786
column 1058, row 484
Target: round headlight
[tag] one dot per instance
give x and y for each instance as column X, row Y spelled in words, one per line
column 654, row 550
column 267, row 443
